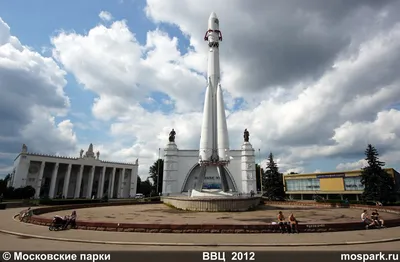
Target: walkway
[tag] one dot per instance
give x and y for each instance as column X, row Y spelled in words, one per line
column 117, row 240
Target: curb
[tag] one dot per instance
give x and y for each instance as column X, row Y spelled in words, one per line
column 201, row 244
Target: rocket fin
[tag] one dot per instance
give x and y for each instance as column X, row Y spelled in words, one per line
column 222, row 129
column 206, row 130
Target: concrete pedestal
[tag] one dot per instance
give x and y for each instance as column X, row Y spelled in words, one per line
column 248, row 167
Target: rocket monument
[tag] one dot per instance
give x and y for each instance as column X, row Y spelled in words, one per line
column 214, row 142
column 213, row 170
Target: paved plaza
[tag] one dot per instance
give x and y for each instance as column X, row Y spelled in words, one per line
column 34, row 237
column 162, row 214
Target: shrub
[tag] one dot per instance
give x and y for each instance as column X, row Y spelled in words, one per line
column 19, row 193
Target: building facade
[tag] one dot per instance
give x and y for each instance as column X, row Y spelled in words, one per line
column 85, row 176
column 332, row 185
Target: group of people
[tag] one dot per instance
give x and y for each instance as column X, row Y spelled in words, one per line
column 289, row 226
column 372, row 221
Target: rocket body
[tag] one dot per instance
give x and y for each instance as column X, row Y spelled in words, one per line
column 214, row 141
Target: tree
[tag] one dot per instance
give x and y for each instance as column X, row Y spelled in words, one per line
column 138, row 184
column 28, row 192
column 3, row 184
column 273, row 180
column 378, row 184
column 146, row 187
column 259, row 173
column 156, row 172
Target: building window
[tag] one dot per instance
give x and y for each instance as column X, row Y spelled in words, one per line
column 353, row 184
column 311, row 184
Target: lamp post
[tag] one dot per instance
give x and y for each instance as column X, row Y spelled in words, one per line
column 158, row 170
column 261, row 182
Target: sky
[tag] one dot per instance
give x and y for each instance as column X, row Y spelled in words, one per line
column 314, row 82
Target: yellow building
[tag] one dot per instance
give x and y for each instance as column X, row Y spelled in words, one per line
column 330, row 185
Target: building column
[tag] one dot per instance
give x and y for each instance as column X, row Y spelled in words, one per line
column 66, row 181
column 39, row 180
column 77, row 192
column 132, row 186
column 112, row 180
column 53, row 180
column 120, row 183
column 100, row 188
column 90, row 183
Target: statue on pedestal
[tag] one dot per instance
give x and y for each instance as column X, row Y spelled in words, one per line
column 172, row 135
column 246, row 135
column 24, row 148
column 81, row 153
column 98, row 154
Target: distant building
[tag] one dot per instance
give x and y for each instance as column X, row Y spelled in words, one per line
column 74, row 177
column 330, row 185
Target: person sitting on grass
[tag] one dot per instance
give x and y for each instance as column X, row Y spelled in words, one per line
column 282, row 223
column 378, row 221
column 293, row 224
column 367, row 220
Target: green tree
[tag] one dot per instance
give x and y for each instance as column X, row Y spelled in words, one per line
column 28, row 192
column 145, row 187
column 273, row 180
column 378, row 184
column 3, row 184
column 156, row 173
column 138, row 184
column 259, row 172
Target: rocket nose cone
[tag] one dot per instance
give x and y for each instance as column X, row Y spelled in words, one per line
column 213, row 22
column 213, row 15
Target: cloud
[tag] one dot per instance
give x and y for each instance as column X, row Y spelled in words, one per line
column 105, row 16
column 320, row 83
column 32, row 95
column 352, row 165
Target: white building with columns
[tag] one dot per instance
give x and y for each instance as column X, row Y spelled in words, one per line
column 85, row 176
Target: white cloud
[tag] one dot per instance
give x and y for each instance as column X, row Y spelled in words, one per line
column 105, row 16
column 32, row 94
column 352, row 165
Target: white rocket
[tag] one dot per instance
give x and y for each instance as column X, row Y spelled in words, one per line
column 214, row 141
